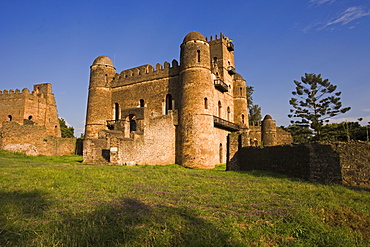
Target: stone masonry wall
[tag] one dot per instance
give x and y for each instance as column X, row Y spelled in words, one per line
column 346, row 163
column 33, row 140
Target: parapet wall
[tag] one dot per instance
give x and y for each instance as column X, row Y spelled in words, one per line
column 345, row 163
column 146, row 73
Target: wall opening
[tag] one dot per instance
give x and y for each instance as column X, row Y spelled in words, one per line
column 205, row 103
column 198, row 56
column 116, row 111
column 169, row 105
column 243, row 118
column 219, row 109
column 133, row 124
column 241, row 91
column 228, row 114
column 142, row 103
column 10, row 117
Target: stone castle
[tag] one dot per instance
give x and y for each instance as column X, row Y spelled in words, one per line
column 175, row 113
column 29, row 122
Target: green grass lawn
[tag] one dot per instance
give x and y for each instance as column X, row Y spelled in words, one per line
column 59, row 201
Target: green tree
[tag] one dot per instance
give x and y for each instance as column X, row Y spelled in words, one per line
column 67, row 132
column 254, row 111
column 314, row 102
column 300, row 134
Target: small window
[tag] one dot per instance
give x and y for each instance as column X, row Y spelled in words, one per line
column 169, row 105
column 142, row 103
column 30, row 117
column 228, row 113
column 243, row 118
column 10, row 117
column 205, row 103
column 219, row 108
column 241, row 91
column 198, row 55
column 116, row 111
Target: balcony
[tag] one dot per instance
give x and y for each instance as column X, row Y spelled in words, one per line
column 231, row 70
column 230, row 46
column 224, row 124
column 221, row 85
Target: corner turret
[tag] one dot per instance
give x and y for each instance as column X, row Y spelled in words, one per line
column 102, row 73
column 196, row 147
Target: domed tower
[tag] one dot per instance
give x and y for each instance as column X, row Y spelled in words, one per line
column 99, row 106
column 268, row 131
column 240, row 102
column 196, row 145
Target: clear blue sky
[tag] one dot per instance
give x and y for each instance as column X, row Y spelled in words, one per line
column 276, row 42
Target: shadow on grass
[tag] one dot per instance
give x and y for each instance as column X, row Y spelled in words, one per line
column 130, row 222
column 16, row 208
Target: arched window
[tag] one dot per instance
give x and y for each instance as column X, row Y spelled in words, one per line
column 10, row 117
column 205, row 103
column 228, row 114
column 243, row 118
column 169, row 105
column 198, row 56
column 116, row 111
column 241, row 91
column 142, row 103
column 30, row 117
column 219, row 109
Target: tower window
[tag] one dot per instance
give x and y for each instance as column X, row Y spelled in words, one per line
column 142, row 103
column 219, row 108
column 198, row 55
column 29, row 117
column 205, row 103
column 228, row 113
column 10, row 117
column 169, row 105
column 241, row 91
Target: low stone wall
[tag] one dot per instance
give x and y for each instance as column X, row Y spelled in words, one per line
column 33, row 140
column 347, row 163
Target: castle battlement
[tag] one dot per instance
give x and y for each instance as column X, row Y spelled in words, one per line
column 146, row 72
column 17, row 94
column 216, row 37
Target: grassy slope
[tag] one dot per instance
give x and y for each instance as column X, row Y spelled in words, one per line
column 58, row 201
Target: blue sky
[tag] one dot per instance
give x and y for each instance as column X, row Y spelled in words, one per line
column 276, row 42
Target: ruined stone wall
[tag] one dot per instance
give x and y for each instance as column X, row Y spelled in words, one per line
column 347, row 163
column 38, row 106
column 33, row 140
column 155, row 147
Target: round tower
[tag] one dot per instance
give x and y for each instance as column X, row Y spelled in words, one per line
column 196, row 145
column 240, row 102
column 268, row 131
column 99, row 106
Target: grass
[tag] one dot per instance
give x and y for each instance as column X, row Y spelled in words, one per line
column 59, row 201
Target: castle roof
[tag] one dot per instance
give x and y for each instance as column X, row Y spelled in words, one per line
column 267, row 117
column 194, row 36
column 103, row 60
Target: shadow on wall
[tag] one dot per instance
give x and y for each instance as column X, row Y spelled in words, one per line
column 123, row 221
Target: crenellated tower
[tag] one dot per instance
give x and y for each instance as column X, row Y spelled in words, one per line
column 99, row 105
column 196, row 147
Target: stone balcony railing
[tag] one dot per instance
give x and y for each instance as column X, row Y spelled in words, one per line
column 224, row 124
column 221, row 85
column 230, row 46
